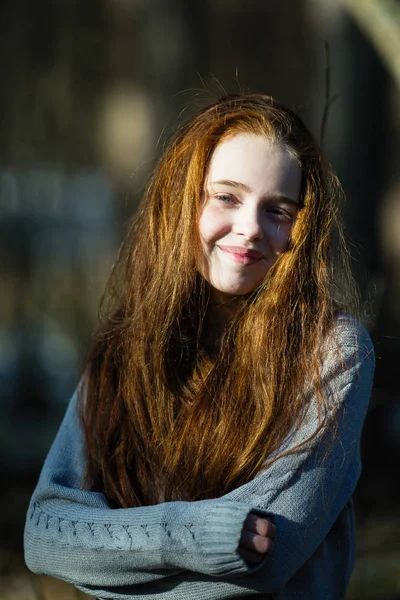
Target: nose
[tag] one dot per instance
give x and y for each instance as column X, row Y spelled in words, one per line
column 248, row 222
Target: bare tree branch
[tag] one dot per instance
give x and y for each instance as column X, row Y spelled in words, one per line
column 328, row 98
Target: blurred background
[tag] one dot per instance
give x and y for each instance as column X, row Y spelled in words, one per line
column 91, row 91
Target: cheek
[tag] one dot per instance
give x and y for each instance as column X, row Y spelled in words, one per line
column 206, row 232
column 278, row 235
column 211, row 225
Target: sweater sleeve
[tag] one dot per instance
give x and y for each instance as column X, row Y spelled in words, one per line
column 73, row 534
column 305, row 492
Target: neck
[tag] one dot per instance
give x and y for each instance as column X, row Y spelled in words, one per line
column 220, row 312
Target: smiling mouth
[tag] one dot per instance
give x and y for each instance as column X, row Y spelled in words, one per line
column 243, row 256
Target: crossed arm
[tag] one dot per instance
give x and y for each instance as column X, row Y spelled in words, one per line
column 73, row 534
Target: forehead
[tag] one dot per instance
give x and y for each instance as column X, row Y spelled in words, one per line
column 256, row 161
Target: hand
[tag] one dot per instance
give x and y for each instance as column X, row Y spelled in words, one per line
column 256, row 539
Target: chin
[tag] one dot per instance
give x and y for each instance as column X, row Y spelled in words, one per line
column 231, row 291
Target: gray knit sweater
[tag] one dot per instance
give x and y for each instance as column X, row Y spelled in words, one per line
column 188, row 550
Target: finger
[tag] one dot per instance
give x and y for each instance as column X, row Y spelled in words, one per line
column 261, row 526
column 254, row 542
column 250, row 557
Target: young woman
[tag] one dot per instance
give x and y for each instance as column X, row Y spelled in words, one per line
column 212, row 448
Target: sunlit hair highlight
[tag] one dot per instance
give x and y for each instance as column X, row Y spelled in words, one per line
column 164, row 418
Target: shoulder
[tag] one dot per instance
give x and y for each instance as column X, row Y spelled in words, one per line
column 347, row 338
column 349, row 332
column 347, row 361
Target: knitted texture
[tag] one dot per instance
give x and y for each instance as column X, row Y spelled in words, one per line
column 188, row 550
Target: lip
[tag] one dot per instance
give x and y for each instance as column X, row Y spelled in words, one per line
column 244, row 256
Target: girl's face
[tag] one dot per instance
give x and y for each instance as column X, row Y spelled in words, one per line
column 250, row 200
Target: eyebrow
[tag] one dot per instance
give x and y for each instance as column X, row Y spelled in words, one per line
column 230, row 183
column 246, row 188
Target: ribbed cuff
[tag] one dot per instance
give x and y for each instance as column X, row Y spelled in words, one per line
column 219, row 539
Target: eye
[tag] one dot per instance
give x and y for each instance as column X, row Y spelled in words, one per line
column 226, row 198
column 279, row 214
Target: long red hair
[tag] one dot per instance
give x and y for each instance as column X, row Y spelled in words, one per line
column 163, row 418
